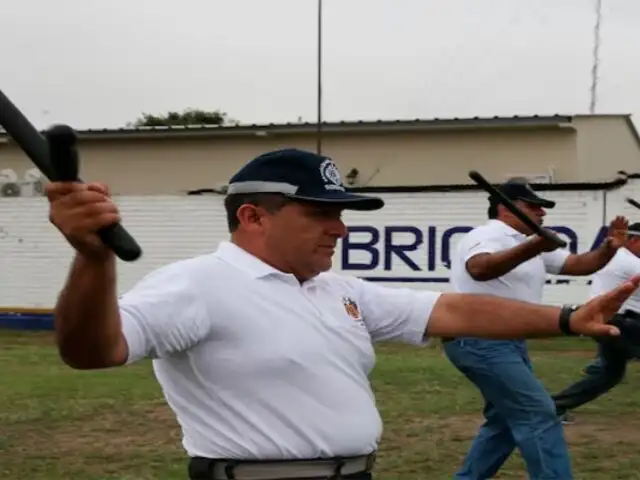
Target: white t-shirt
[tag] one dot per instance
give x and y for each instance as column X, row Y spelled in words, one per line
column 525, row 282
column 256, row 366
column 620, row 268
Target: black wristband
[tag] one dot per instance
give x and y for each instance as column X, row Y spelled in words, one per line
column 563, row 321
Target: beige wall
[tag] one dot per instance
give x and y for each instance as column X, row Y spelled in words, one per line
column 432, row 158
column 419, row 158
column 605, row 145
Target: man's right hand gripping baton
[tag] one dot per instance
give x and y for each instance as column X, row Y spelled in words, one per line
column 57, row 158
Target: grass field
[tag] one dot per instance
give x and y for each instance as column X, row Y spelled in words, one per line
column 56, row 423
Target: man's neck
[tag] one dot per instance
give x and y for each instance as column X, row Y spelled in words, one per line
column 511, row 225
column 260, row 253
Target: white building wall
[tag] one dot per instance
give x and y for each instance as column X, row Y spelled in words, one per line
column 34, row 258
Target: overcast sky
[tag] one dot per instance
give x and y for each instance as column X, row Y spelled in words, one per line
column 101, row 64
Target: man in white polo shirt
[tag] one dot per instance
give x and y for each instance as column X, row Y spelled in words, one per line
column 610, row 365
column 499, row 258
column 262, row 353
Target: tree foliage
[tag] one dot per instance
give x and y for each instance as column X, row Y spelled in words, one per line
column 189, row 116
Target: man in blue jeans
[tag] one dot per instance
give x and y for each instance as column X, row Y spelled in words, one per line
column 503, row 258
column 609, row 367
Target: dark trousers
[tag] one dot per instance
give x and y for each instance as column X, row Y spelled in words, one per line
column 605, row 372
column 608, row 368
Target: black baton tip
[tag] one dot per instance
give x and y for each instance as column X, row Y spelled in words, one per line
column 63, row 155
column 61, row 133
column 476, row 177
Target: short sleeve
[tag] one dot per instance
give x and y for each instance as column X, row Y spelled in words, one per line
column 555, row 260
column 397, row 314
column 162, row 315
column 475, row 244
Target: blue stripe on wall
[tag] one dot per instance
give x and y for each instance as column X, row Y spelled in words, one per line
column 26, row 321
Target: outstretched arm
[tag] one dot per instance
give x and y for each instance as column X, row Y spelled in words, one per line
column 484, row 316
column 458, row 314
column 411, row 316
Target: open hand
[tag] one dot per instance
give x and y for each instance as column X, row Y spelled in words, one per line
column 617, row 233
column 592, row 318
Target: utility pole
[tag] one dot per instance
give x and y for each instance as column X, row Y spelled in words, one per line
column 595, row 66
column 319, row 82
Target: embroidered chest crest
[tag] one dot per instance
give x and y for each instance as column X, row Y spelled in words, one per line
column 352, row 308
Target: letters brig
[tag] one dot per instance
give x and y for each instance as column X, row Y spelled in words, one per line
column 383, row 248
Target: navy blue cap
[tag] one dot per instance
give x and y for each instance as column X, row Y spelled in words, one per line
column 301, row 175
column 518, row 188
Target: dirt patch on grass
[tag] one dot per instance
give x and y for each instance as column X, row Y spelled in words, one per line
column 589, row 427
column 151, row 429
column 571, row 353
column 437, row 444
column 604, row 430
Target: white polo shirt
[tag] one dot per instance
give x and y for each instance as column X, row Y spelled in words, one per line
column 525, row 282
column 620, row 268
column 256, row 366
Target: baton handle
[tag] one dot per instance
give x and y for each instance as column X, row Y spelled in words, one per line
column 64, row 159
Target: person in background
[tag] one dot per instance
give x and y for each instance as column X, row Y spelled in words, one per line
column 613, row 354
column 503, row 258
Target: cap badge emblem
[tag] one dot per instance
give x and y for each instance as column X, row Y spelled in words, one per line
column 331, row 175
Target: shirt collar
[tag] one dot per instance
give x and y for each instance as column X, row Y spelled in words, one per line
column 238, row 257
column 504, row 228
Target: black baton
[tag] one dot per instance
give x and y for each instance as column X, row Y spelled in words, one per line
column 57, row 158
column 523, row 217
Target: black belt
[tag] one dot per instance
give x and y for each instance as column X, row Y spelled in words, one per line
column 334, row 468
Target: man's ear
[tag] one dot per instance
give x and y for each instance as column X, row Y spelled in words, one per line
column 249, row 216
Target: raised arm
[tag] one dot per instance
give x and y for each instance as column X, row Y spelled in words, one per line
column 88, row 328
column 160, row 315
column 87, row 322
column 590, row 262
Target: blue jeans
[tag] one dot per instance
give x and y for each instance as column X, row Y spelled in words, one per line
column 518, row 411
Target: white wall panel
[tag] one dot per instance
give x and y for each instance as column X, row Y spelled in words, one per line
column 34, row 258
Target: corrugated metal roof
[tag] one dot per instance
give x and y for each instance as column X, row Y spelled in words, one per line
column 253, row 129
column 293, row 126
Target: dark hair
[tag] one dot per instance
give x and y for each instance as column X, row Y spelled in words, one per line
column 272, row 202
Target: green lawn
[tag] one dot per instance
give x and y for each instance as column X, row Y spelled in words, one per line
column 56, row 423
